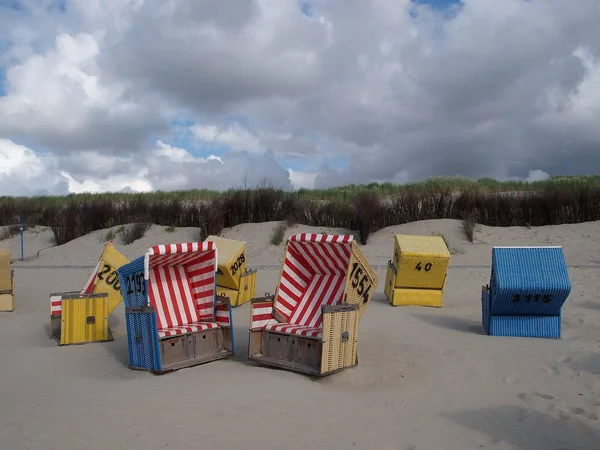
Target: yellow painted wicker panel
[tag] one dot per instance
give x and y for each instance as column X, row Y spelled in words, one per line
column 390, row 278
column 337, row 353
column 248, row 287
column 107, row 280
column 7, row 302
column 84, row 319
column 231, row 264
column 415, row 297
column 231, row 293
column 361, row 280
column 420, row 261
column 246, row 292
column 5, row 272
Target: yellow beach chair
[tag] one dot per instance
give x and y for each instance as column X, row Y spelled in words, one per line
column 234, row 279
column 7, row 282
column 78, row 317
column 417, row 274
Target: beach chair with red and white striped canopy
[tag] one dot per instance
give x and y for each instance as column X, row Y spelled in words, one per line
column 173, row 319
column 310, row 324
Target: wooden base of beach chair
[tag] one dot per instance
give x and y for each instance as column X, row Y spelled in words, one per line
column 192, row 349
column 334, row 352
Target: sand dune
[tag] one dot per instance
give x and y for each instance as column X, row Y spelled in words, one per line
column 427, row 378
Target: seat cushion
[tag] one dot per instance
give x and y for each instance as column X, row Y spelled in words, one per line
column 189, row 328
column 298, row 330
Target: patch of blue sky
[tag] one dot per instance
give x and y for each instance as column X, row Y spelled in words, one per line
column 12, row 4
column 438, row 4
column 18, row 5
column 449, row 8
column 2, row 82
column 305, row 8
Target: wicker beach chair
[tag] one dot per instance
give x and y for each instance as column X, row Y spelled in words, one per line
column 527, row 290
column 417, row 275
column 173, row 318
column 234, row 279
column 78, row 317
column 7, row 282
column 310, row 325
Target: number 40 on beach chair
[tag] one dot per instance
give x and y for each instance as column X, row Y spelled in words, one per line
column 310, row 325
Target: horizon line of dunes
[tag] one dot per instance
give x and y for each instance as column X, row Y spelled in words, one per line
column 364, row 208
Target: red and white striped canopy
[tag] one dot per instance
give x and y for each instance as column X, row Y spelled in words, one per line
column 314, row 274
column 181, row 282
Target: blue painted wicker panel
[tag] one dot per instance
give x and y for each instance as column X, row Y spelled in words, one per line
column 526, row 326
column 133, row 286
column 142, row 337
column 529, row 281
column 485, row 310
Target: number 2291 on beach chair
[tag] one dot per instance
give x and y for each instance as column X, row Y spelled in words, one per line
column 311, row 324
column 173, row 319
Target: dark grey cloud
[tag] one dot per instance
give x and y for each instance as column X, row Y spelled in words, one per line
column 499, row 89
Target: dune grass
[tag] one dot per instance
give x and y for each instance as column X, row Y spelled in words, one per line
column 364, row 208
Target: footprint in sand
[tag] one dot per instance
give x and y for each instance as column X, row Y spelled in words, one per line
column 511, row 380
column 552, row 370
column 582, row 412
column 564, row 359
column 528, row 398
column 565, row 413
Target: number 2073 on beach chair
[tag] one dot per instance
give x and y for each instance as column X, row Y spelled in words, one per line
column 173, row 319
column 311, row 324
column 528, row 288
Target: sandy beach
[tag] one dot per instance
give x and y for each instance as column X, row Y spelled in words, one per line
column 427, row 378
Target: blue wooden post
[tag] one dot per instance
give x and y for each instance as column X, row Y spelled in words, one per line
column 22, row 229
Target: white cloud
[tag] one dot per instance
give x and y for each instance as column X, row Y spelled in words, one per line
column 537, row 175
column 301, row 179
column 499, row 88
column 233, row 137
column 23, row 171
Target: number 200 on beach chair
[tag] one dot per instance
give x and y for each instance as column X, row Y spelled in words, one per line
column 173, row 319
column 527, row 290
column 311, row 323
column 78, row 317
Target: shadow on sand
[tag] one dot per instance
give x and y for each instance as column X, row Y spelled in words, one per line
column 452, row 323
column 529, row 429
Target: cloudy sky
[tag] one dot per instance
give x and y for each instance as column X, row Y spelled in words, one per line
column 143, row 95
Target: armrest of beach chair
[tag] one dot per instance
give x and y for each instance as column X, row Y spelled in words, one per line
column 340, row 329
column 223, row 311
column 261, row 312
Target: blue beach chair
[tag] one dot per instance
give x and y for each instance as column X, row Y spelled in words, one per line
column 527, row 290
